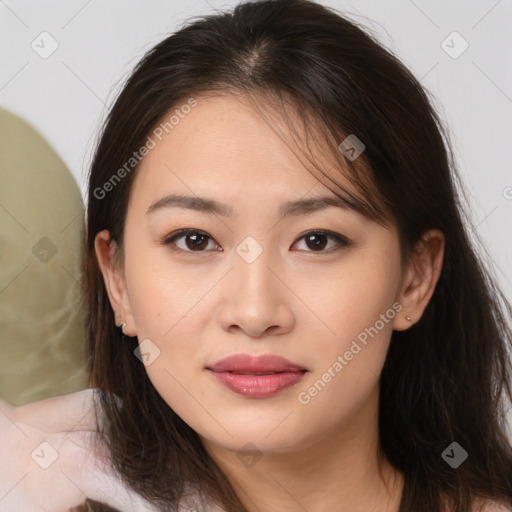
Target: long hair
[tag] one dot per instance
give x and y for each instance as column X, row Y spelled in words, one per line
column 446, row 379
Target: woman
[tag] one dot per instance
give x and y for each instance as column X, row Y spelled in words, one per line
column 285, row 309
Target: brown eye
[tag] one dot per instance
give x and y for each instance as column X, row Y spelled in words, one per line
column 197, row 241
column 194, row 240
column 316, row 241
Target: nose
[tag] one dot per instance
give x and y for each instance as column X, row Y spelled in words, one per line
column 257, row 300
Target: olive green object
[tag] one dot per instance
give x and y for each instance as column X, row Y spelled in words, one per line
column 42, row 329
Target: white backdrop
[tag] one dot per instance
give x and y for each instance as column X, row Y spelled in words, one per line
column 96, row 43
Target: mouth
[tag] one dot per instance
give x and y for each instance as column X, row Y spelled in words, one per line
column 246, row 364
column 260, row 376
column 259, row 373
column 258, row 384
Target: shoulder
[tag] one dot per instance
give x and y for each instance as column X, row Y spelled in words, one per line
column 57, row 414
column 50, row 457
column 32, row 451
column 50, row 423
column 491, row 506
column 479, row 504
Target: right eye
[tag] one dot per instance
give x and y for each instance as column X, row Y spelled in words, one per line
column 195, row 240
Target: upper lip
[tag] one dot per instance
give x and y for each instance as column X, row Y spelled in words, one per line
column 247, row 363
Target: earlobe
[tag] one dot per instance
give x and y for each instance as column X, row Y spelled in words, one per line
column 422, row 274
column 114, row 281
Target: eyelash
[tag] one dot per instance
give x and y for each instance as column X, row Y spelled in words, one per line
column 342, row 241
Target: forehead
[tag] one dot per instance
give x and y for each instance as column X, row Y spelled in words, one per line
column 223, row 146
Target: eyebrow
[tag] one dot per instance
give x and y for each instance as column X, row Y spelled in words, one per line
column 211, row 206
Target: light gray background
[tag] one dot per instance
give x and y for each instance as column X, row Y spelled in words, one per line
column 66, row 95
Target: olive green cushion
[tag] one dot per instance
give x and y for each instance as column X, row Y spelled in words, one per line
column 42, row 330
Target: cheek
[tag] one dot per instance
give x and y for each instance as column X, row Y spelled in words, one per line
column 358, row 311
column 161, row 300
column 353, row 297
column 161, row 295
column 170, row 322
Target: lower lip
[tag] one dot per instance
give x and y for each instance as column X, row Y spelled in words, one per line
column 258, row 386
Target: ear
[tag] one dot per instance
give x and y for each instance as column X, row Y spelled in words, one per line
column 421, row 276
column 113, row 276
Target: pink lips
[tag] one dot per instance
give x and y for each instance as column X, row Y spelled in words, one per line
column 281, row 374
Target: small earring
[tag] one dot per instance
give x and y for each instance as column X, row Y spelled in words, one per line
column 408, row 318
column 121, row 325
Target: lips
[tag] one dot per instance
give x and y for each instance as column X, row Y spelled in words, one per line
column 257, row 377
column 249, row 365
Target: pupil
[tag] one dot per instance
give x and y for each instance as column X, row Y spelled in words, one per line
column 197, row 242
column 318, row 243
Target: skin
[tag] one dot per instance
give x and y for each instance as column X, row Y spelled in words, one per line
column 293, row 300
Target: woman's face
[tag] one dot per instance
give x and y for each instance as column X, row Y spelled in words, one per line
column 255, row 283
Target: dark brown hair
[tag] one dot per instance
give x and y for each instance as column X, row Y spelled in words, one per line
column 446, row 378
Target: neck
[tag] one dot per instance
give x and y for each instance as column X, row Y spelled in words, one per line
column 342, row 471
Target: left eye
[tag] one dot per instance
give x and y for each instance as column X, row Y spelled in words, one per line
column 316, row 240
column 197, row 240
